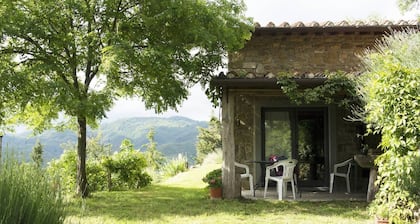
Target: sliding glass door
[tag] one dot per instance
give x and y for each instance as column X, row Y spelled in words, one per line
column 298, row 133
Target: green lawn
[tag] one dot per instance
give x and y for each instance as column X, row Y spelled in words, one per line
column 183, row 199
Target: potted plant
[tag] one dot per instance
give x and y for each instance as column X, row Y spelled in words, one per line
column 381, row 213
column 214, row 183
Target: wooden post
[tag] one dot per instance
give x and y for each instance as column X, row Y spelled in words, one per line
column 228, row 146
column 1, row 145
column 371, row 187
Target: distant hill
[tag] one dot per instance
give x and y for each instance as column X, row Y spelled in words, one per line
column 173, row 135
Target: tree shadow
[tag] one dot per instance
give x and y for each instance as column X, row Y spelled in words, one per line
column 157, row 202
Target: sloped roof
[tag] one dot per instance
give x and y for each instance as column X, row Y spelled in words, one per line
column 345, row 26
column 343, row 23
column 268, row 79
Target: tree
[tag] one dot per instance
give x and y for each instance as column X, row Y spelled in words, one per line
column 36, row 154
column 407, row 5
column 75, row 57
column 96, row 149
column 154, row 158
column 208, row 139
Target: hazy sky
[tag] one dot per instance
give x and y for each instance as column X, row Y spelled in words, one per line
column 198, row 107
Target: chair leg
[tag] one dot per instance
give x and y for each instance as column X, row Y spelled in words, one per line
column 348, row 184
column 251, row 184
column 280, row 190
column 331, row 182
column 265, row 187
column 293, row 189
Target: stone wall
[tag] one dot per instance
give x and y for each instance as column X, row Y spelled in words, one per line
column 244, row 129
column 301, row 53
column 348, row 144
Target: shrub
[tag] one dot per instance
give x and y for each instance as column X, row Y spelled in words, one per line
column 97, row 176
column 64, row 171
column 27, row 195
column 390, row 92
column 127, row 168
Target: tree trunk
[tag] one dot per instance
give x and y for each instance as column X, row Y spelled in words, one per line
column 81, row 159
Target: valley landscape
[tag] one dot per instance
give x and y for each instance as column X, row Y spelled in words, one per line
column 173, row 135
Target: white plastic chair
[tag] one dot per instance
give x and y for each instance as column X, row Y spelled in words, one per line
column 340, row 174
column 288, row 176
column 247, row 174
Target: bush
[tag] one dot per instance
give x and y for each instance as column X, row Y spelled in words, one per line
column 127, row 169
column 97, row 176
column 64, row 171
column 27, row 195
column 390, row 92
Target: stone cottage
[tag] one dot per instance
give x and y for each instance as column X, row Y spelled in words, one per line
column 259, row 120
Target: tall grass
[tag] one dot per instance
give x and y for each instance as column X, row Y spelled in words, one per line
column 26, row 195
column 175, row 166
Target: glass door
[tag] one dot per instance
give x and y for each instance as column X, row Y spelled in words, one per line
column 277, row 134
column 311, row 145
column 298, row 133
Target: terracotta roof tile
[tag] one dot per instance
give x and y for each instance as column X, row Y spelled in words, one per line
column 343, row 23
column 284, row 25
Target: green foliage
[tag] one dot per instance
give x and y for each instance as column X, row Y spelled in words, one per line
column 213, row 178
column 208, row 139
column 339, row 88
column 175, row 166
column 64, row 171
column 407, row 5
column 154, row 158
column 97, row 176
column 390, row 90
column 27, row 195
column 399, row 181
column 36, row 154
column 122, row 170
column 96, row 149
column 129, row 167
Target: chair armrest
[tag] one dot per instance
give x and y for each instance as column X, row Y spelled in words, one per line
column 343, row 163
column 246, row 167
column 275, row 165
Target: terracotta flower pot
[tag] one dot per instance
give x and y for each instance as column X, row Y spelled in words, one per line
column 216, row 193
column 381, row 220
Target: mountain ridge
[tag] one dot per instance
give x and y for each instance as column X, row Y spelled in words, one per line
column 173, row 135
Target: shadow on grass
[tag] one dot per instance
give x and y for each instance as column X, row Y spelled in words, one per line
column 155, row 202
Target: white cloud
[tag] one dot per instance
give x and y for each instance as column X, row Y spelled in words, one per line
column 197, row 107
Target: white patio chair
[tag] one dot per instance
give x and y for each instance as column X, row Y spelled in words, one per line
column 346, row 174
column 288, row 176
column 247, row 174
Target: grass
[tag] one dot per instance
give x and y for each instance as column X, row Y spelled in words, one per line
column 26, row 195
column 183, row 199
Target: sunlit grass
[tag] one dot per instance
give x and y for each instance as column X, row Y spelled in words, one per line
column 183, row 199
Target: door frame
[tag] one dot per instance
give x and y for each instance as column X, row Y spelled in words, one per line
column 293, row 115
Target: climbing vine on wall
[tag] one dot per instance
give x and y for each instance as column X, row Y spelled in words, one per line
column 339, row 88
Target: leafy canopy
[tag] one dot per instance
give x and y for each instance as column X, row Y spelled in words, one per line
column 77, row 56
